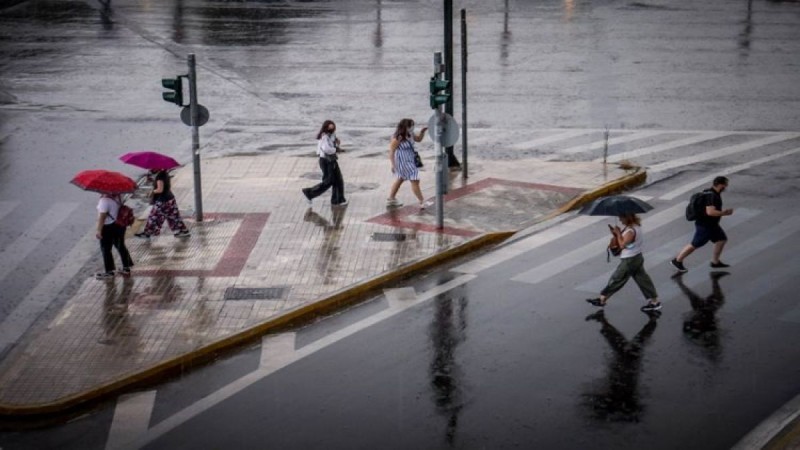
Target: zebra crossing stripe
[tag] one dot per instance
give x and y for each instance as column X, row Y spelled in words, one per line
column 663, row 147
column 666, row 252
column 15, row 253
column 549, row 139
column 529, row 243
column 276, row 350
column 131, row 418
column 725, row 151
column 6, row 207
column 590, row 250
column 20, row 319
column 686, row 187
column 596, row 145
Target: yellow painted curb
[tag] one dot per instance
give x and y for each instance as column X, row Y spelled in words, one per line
column 178, row 364
column 636, row 178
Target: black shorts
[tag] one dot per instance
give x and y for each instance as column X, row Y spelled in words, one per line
column 705, row 233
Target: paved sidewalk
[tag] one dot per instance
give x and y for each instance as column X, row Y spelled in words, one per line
column 262, row 258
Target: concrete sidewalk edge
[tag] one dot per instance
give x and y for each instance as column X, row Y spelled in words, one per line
column 335, row 301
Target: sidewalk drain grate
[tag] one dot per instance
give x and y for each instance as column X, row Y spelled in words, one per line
column 389, row 237
column 267, row 293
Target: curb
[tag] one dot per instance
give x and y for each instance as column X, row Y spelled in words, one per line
column 335, row 301
column 620, row 184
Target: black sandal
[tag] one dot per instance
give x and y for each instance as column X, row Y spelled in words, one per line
column 596, row 302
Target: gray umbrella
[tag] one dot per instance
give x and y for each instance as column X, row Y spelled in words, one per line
column 615, row 205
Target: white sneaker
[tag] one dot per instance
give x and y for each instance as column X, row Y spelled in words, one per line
column 393, row 203
column 425, row 205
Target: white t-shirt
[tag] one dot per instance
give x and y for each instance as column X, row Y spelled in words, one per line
column 635, row 247
column 108, row 205
column 326, row 145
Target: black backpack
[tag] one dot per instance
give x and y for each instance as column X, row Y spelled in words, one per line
column 697, row 205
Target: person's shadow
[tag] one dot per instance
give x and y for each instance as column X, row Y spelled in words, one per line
column 700, row 325
column 616, row 398
column 328, row 259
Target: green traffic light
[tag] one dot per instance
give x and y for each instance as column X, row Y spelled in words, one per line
column 176, row 85
column 437, row 96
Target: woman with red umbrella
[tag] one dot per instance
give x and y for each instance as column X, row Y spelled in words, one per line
column 164, row 205
column 110, row 185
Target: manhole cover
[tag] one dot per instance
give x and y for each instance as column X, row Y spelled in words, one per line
column 389, row 237
column 266, row 293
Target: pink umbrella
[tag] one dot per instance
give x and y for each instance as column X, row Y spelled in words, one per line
column 149, row 160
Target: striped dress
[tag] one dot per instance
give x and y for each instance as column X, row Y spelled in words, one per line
column 404, row 161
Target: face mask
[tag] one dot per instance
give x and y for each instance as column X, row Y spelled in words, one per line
column 411, row 130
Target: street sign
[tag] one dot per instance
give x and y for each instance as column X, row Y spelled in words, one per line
column 202, row 115
column 449, row 130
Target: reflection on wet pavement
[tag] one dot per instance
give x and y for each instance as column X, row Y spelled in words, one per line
column 447, row 331
column 617, row 398
column 700, row 325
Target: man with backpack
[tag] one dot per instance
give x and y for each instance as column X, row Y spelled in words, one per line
column 706, row 210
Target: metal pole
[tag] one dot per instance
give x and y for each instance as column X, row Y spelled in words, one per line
column 448, row 70
column 464, row 164
column 441, row 157
column 198, row 195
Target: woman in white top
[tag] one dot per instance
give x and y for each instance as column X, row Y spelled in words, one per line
column 327, row 146
column 111, row 235
column 631, row 265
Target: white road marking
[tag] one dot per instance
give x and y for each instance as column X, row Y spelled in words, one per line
column 686, row 187
column 549, row 139
column 277, row 350
column 529, row 243
column 590, row 250
column 597, row 145
column 666, row 252
column 726, row 151
column 18, row 250
column 21, row 318
column 131, row 418
column 398, row 297
column 244, row 382
column 663, row 147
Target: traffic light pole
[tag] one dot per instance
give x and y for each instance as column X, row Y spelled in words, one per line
column 194, row 112
column 441, row 157
column 452, row 162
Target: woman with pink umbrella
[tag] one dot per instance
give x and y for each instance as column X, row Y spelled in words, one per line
column 164, row 205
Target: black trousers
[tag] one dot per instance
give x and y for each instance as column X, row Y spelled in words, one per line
column 331, row 178
column 113, row 235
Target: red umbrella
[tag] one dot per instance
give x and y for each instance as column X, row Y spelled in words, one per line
column 104, row 182
column 149, row 160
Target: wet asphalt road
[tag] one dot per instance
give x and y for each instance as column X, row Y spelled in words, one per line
column 510, row 355
column 79, row 85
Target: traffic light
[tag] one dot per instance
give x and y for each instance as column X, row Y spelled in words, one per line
column 440, row 92
column 176, row 85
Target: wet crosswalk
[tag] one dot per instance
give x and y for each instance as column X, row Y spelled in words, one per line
column 662, row 151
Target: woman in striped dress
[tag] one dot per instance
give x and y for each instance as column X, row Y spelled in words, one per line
column 401, row 155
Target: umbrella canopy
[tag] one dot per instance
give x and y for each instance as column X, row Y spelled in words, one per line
column 616, row 205
column 104, row 182
column 149, row 160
